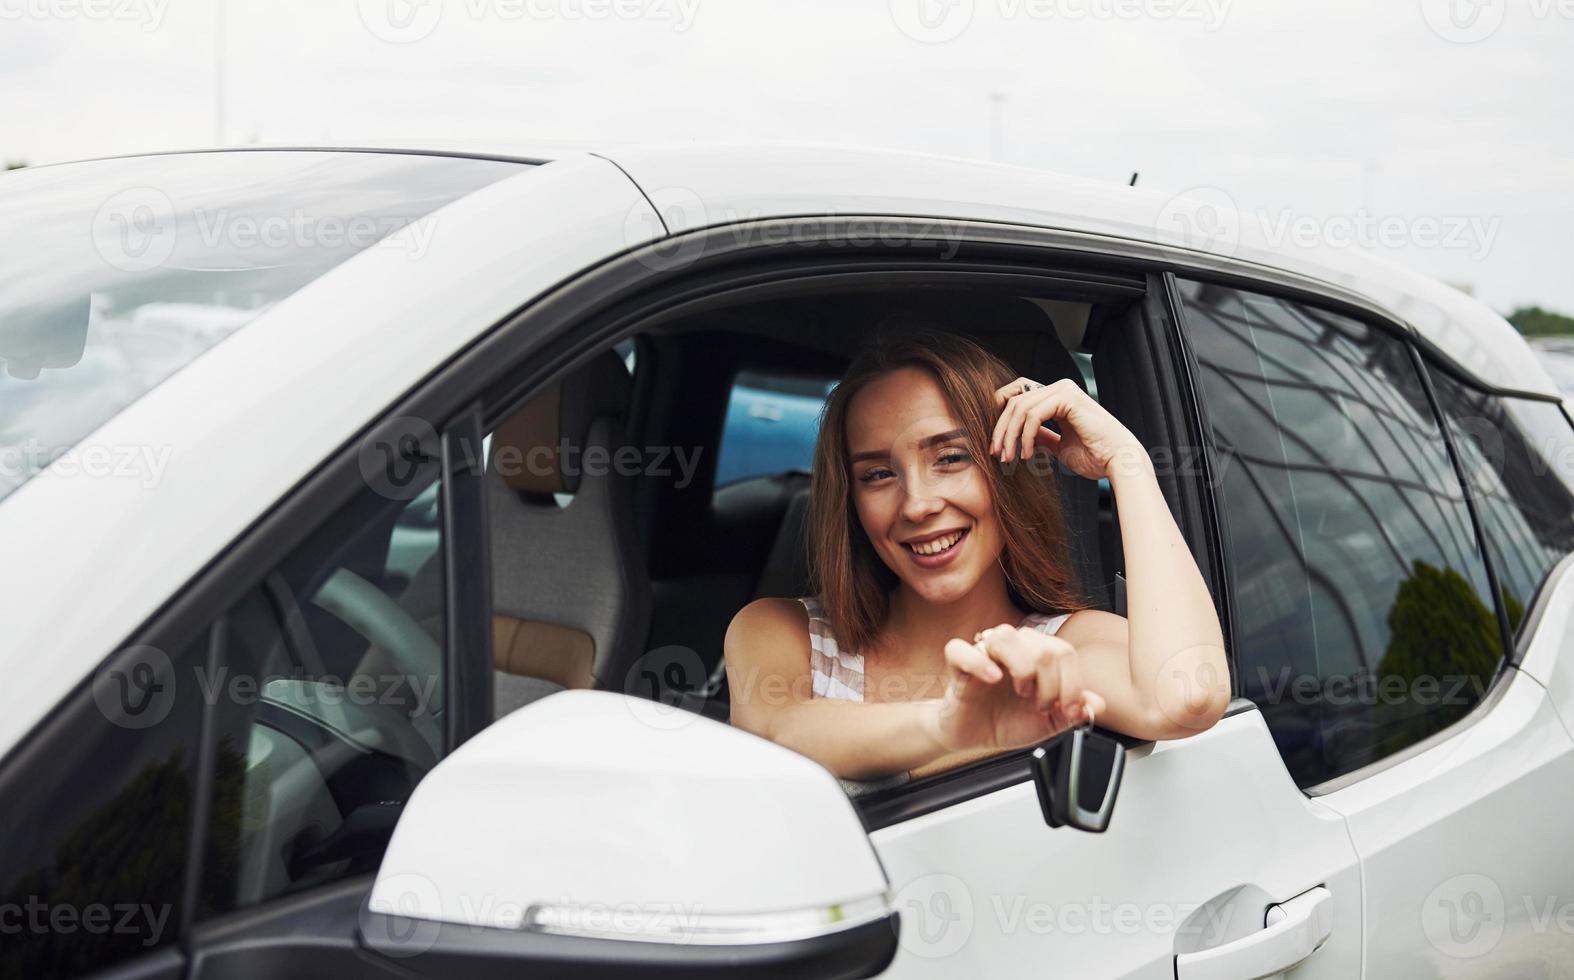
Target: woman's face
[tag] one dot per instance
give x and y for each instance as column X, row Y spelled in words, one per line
column 920, row 493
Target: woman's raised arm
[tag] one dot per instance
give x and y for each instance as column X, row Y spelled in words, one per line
column 1162, row 669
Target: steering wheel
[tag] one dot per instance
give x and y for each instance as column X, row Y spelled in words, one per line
column 383, row 623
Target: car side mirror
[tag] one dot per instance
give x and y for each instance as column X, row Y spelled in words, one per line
column 1078, row 777
column 595, row 834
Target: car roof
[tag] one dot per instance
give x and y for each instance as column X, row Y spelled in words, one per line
column 698, row 185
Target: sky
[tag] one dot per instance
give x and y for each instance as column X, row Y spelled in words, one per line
column 1437, row 132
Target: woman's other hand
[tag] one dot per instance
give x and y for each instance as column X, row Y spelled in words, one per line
column 1013, row 688
column 1091, row 441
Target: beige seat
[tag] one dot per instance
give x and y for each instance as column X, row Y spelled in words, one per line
column 571, row 593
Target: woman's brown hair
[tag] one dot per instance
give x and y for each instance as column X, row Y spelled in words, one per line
column 853, row 580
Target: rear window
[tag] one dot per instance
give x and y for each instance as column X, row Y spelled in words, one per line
column 117, row 273
column 772, row 424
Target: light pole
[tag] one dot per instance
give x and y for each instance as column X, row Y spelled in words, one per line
column 218, row 72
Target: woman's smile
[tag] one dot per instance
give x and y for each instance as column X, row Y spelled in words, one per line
column 937, row 549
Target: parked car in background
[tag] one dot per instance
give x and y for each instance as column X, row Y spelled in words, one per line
column 1557, row 354
column 372, row 520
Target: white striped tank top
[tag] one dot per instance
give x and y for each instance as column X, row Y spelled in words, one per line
column 839, row 674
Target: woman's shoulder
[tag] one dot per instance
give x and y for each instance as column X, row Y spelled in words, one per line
column 1074, row 622
column 769, row 620
column 1088, row 625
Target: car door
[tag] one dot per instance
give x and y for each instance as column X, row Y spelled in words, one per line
column 1380, row 597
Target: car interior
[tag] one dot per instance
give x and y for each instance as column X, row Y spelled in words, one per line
column 626, row 581
column 634, row 504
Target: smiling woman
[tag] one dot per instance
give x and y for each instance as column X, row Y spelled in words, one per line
column 949, row 624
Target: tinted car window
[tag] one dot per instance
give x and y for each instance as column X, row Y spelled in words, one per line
column 1519, row 457
column 123, row 271
column 772, row 423
column 1364, row 618
column 97, row 810
column 331, row 706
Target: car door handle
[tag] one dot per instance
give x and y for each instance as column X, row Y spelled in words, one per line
column 1294, row 930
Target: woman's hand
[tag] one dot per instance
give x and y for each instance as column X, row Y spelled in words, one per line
column 1091, row 441
column 1013, row 688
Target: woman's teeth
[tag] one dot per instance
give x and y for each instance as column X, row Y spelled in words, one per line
column 938, row 545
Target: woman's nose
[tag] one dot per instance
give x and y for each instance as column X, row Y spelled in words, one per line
column 919, row 501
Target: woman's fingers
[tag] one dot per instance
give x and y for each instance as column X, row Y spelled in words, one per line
column 1008, row 398
column 1020, row 427
column 1045, row 670
column 1092, row 707
column 1024, row 654
column 1060, row 683
column 1004, row 392
column 968, row 659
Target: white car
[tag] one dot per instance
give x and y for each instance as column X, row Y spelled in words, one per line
column 366, row 573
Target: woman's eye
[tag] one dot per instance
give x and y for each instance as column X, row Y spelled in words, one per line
column 953, row 457
column 878, row 473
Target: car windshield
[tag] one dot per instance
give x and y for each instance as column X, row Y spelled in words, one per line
column 117, row 273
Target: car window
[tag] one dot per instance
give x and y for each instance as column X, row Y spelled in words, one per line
column 771, row 425
column 130, row 269
column 1519, row 457
column 98, row 806
column 1364, row 621
column 327, row 702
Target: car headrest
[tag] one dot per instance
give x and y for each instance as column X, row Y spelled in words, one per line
column 1018, row 331
column 527, row 448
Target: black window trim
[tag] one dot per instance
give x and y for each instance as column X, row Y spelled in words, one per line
column 1505, row 631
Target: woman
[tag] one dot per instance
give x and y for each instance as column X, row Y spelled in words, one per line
column 948, row 625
